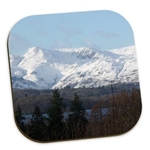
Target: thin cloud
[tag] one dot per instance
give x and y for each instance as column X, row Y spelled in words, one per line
column 39, row 26
column 106, row 34
column 70, row 32
column 60, row 44
column 17, row 44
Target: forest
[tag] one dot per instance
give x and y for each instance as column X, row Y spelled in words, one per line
column 66, row 112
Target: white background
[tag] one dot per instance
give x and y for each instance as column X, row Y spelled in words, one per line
column 137, row 14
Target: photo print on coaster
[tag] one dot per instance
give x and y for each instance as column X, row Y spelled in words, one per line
column 74, row 76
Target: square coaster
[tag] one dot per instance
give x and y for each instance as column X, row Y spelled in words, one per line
column 74, row 76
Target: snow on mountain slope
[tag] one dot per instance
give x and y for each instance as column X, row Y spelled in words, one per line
column 41, row 68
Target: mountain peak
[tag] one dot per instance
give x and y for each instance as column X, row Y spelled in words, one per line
column 33, row 50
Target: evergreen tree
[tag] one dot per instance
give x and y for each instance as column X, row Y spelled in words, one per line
column 55, row 116
column 37, row 127
column 20, row 118
column 77, row 120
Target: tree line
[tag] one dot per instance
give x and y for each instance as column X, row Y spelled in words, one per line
column 29, row 98
column 67, row 123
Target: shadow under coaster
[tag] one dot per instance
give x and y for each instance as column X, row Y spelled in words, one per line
column 74, row 76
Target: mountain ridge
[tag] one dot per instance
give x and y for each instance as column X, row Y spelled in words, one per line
column 77, row 67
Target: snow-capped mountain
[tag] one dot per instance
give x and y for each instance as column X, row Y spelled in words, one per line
column 79, row 67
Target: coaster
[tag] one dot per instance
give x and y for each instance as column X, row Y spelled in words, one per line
column 74, row 76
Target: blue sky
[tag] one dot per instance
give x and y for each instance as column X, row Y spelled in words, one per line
column 96, row 29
